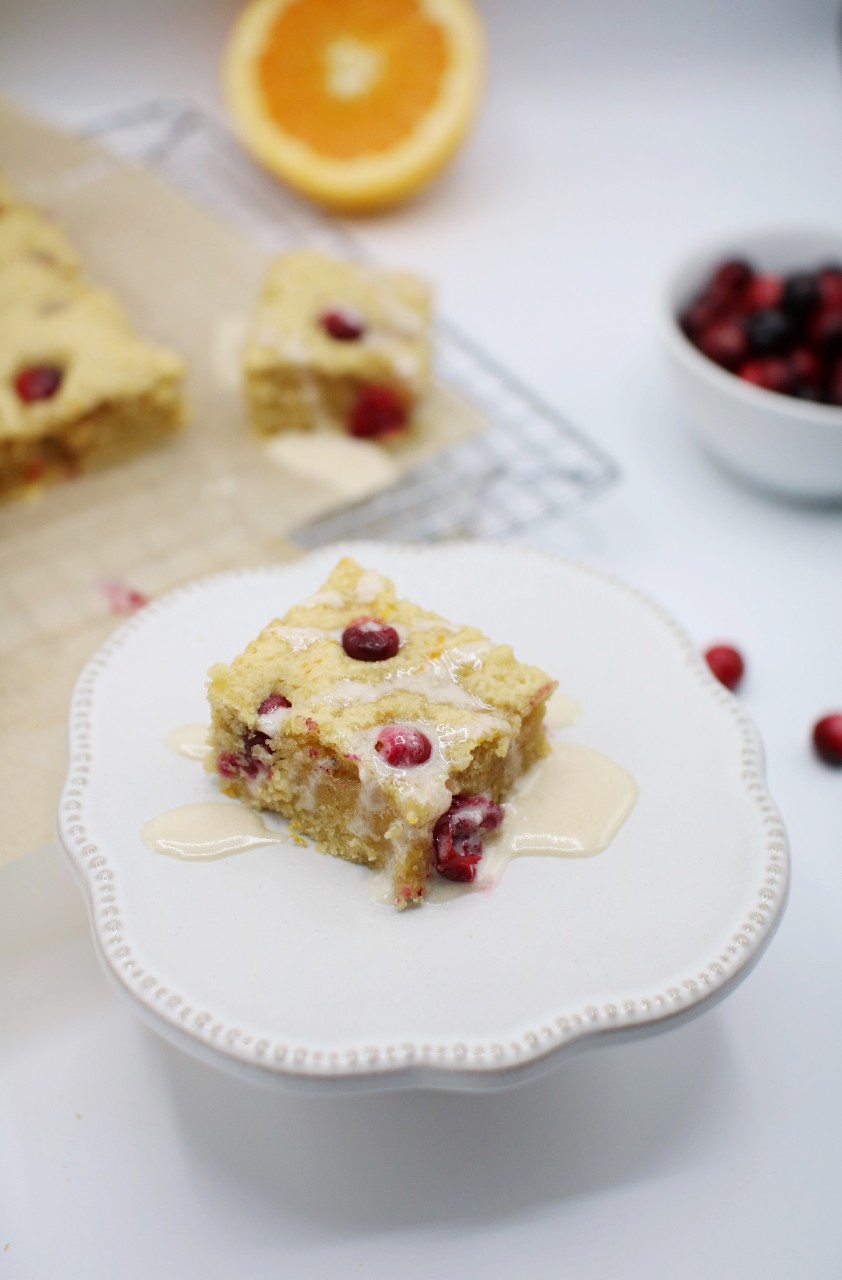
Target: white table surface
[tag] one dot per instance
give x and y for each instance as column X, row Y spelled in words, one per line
column 613, row 137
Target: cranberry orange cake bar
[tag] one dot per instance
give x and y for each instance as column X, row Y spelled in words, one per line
column 385, row 733
column 78, row 388
column 337, row 346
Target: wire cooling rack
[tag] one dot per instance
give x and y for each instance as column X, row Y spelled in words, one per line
column 529, row 466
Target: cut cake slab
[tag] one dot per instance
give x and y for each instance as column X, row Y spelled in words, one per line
column 78, row 387
column 385, row 733
column 336, row 346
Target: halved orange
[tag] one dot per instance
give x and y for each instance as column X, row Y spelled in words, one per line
column 357, row 103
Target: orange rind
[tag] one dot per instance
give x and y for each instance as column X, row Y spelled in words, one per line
column 355, row 103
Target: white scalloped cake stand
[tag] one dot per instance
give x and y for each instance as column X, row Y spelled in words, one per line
column 277, row 965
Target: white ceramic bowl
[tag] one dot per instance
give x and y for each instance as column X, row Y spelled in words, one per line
column 791, row 447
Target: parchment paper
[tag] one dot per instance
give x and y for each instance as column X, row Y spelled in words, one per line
column 212, row 499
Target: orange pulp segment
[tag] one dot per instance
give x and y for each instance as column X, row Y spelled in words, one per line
column 355, row 102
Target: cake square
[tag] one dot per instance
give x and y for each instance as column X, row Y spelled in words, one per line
column 337, row 346
column 78, row 388
column 385, row 733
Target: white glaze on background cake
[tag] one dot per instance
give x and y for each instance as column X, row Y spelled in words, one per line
column 369, row 586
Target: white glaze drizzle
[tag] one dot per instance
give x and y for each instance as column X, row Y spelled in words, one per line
column 571, row 805
column 334, row 599
column 270, row 722
column 369, row 586
column 189, row 740
column 562, row 711
column 426, row 681
column 301, row 638
column 200, row 832
column 434, row 624
column 401, row 317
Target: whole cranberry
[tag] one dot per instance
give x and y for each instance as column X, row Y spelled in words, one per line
column 773, row 373
column 402, row 745
column 827, row 738
column 824, row 331
column 458, row 836
column 807, row 374
column 724, row 342
column 38, row 382
column 768, row 331
column 343, row 324
column 763, row 292
column 802, row 293
column 833, row 384
column 700, row 315
column 730, row 277
column 379, row 410
column 830, row 286
column 370, row 640
column 805, row 365
column 233, row 764
column 272, row 703
column 229, row 763
column 726, row 663
column 252, row 739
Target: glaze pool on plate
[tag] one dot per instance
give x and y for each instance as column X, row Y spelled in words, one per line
column 570, row 804
column 288, row 973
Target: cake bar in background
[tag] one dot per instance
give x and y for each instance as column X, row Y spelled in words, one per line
column 339, row 347
column 78, row 387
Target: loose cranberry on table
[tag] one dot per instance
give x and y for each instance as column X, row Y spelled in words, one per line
column 458, row 836
column 827, row 738
column 121, row 597
column 402, row 746
column 370, row 640
column 38, row 382
column 343, row 324
column 379, row 410
column 726, row 663
column 781, row 332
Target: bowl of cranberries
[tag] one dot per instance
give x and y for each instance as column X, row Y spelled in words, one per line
column 754, row 340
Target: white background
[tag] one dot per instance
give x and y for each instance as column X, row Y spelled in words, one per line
column 614, row 136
